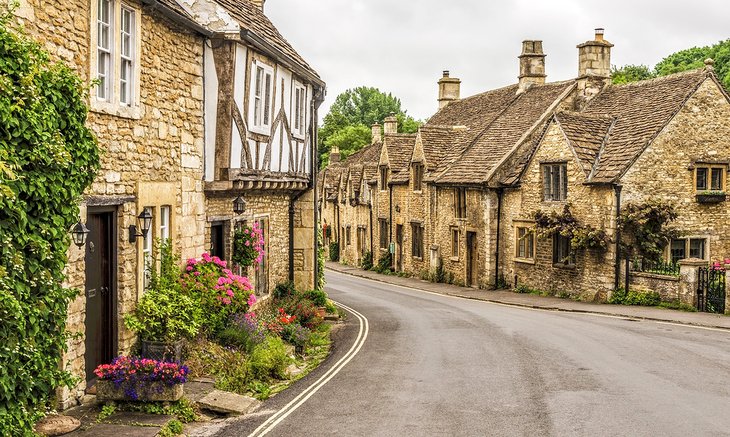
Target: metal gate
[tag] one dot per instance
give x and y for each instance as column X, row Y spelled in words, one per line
column 711, row 290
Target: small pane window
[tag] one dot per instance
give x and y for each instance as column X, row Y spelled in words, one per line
column 417, row 240
column 257, row 96
column 525, row 243
column 147, row 254
column 383, row 225
column 561, row 251
column 677, row 249
column 383, row 178
column 164, row 223
column 697, row 248
column 710, row 178
column 455, row 242
column 716, row 179
column 460, row 202
column 127, row 46
column 347, row 235
column 555, row 182
column 104, row 49
column 417, row 176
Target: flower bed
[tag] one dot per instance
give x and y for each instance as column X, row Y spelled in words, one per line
column 135, row 379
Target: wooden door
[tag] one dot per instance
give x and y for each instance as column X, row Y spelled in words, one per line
column 217, row 240
column 262, row 272
column 100, row 290
column 471, row 257
column 399, row 248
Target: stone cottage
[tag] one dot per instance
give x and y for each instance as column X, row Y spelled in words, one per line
column 154, row 110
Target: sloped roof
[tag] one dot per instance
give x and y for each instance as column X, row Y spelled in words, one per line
column 586, row 134
column 510, row 121
column 641, row 110
column 400, row 148
column 441, row 144
column 250, row 17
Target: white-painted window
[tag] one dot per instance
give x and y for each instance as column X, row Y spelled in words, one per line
column 127, row 45
column 147, row 253
column 164, row 222
column 104, row 44
column 262, row 95
column 300, row 111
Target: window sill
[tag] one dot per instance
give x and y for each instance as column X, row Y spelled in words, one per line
column 562, row 266
column 454, row 259
column 261, row 130
column 102, row 107
column 525, row 260
column 417, row 258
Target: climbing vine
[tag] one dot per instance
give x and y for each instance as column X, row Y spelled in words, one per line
column 646, row 228
column 581, row 236
column 47, row 158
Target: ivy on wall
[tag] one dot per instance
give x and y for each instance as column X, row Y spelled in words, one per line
column 47, row 158
column 581, row 236
column 646, row 228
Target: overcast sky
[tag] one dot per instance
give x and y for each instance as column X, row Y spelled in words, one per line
column 402, row 46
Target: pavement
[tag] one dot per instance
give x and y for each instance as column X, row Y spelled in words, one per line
column 508, row 297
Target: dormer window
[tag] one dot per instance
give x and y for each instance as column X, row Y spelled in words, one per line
column 262, row 94
column 383, row 177
column 417, row 176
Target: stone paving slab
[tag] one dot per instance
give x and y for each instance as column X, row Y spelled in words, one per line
column 229, row 403
column 507, row 297
column 105, row 429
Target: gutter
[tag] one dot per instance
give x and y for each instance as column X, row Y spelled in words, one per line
column 500, row 195
column 390, row 228
column 176, row 17
column 617, row 269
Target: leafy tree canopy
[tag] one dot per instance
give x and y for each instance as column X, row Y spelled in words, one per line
column 347, row 125
column 682, row 60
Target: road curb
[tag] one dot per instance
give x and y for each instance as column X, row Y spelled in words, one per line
column 353, row 271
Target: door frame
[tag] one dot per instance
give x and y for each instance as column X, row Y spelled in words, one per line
column 399, row 247
column 471, row 255
column 113, row 236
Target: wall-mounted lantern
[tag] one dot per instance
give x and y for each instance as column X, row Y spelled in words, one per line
column 79, row 233
column 145, row 220
column 239, row 205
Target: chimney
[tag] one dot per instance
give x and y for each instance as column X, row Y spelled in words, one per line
column 334, row 154
column 259, row 3
column 390, row 125
column 594, row 66
column 532, row 65
column 376, row 134
column 449, row 89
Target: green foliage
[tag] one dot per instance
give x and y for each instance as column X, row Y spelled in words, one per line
column 645, row 228
column 347, row 124
column 171, row 429
column 48, row 157
column 683, row 60
column 319, row 281
column 183, row 410
column 384, row 263
column 367, row 261
column 524, row 289
column 318, row 297
column 677, row 305
column 164, row 313
column 334, row 251
column 248, row 246
column 581, row 236
column 106, row 411
column 635, row 297
column 631, row 73
column 269, row 360
column 284, row 290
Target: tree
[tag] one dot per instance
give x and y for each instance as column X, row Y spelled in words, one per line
column 683, row 60
column 347, row 124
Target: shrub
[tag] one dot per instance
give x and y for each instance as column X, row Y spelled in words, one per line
column 334, row 251
column 296, row 335
column 367, row 261
column 269, row 360
column 304, row 311
column 317, row 297
column 247, row 332
column 384, row 263
column 319, row 281
column 284, row 290
column 634, row 297
column 165, row 315
column 48, row 157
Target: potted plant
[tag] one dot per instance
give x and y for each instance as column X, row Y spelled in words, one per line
column 140, row 379
column 165, row 316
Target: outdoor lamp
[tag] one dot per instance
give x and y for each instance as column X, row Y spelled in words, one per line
column 145, row 219
column 239, row 205
column 79, row 233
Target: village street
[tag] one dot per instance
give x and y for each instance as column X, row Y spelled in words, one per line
column 427, row 364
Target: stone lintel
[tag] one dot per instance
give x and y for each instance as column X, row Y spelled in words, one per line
column 693, row 262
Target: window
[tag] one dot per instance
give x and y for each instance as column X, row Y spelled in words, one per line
column 262, row 96
column 417, row 176
column 561, row 251
column 680, row 248
column 104, row 49
column 383, row 228
column 164, row 223
column 460, row 202
column 525, row 243
column 554, row 182
column 710, row 177
column 115, row 33
column 126, row 70
column 299, row 109
column 347, row 236
column 383, row 177
column 454, row 242
column 147, row 254
column 417, row 240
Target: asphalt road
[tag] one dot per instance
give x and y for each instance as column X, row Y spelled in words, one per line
column 410, row 363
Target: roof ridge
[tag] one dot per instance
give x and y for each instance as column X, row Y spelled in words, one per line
column 661, row 78
column 584, row 115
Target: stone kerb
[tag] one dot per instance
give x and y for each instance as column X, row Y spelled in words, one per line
column 689, row 276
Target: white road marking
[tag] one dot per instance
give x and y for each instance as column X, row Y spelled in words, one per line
column 295, row 403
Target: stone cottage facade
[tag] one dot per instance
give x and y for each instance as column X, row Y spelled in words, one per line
column 151, row 112
column 463, row 200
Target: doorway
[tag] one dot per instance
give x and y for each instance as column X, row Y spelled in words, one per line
column 471, row 259
column 100, row 290
column 217, row 240
column 399, row 248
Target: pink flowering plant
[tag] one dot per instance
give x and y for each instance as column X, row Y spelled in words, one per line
column 220, row 292
column 135, row 375
column 248, row 246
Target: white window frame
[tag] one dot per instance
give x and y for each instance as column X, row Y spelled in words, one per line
column 261, row 104
column 299, row 110
column 164, row 223
column 107, row 97
column 147, row 254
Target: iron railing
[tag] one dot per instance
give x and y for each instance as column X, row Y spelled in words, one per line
column 711, row 290
column 660, row 267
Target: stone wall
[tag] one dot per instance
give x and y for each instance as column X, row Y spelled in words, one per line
column 161, row 144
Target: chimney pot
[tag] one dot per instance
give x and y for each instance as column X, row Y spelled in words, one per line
column 390, row 125
column 334, row 154
column 375, row 129
column 532, row 65
column 599, row 34
column 446, row 73
column 449, row 89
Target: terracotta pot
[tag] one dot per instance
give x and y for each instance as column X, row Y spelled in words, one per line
column 153, row 391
